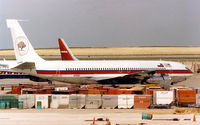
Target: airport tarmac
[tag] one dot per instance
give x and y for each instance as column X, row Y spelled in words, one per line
column 79, row 116
column 85, row 117
column 192, row 81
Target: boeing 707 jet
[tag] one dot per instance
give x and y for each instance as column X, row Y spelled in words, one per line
column 110, row 72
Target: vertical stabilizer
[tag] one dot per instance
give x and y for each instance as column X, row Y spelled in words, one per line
column 65, row 52
column 24, row 51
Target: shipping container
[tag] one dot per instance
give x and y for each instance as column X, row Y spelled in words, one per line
column 114, row 91
column 28, row 100
column 44, row 99
column 59, row 101
column 36, row 91
column 186, row 96
column 151, row 85
column 198, row 90
column 97, row 91
column 151, row 91
column 103, row 91
column 109, row 101
column 177, row 86
column 77, row 101
column 139, row 90
column 16, row 89
column 175, row 90
column 163, row 97
column 65, row 92
column 60, row 88
column 142, row 101
column 12, row 99
column 93, row 91
column 197, row 100
column 93, row 101
column 127, row 91
column 125, row 101
column 83, row 91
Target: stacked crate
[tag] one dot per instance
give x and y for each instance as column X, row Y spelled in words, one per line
column 142, row 101
column 186, row 97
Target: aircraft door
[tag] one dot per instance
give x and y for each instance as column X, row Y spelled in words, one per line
column 58, row 72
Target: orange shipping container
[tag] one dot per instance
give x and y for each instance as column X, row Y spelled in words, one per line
column 186, row 96
column 139, row 89
column 83, row 91
column 150, row 91
column 93, row 91
column 142, row 101
column 103, row 91
column 36, row 91
column 16, row 89
column 127, row 91
column 114, row 91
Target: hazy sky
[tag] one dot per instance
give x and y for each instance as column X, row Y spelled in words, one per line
column 104, row 23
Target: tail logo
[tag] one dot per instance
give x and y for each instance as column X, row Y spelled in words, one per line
column 22, row 45
column 64, row 52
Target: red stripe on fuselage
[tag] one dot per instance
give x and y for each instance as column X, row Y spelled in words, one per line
column 175, row 71
column 111, row 72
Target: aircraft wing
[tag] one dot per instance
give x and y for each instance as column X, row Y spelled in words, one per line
column 140, row 75
column 130, row 78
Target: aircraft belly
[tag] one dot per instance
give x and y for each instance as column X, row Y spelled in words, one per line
column 106, row 76
column 69, row 78
column 92, row 79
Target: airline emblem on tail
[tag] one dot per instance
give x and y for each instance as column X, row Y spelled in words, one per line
column 22, row 45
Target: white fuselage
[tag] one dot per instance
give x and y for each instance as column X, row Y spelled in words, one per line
column 7, row 65
column 93, row 71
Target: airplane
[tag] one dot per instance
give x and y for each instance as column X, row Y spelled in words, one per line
column 91, row 72
column 7, row 73
column 66, row 53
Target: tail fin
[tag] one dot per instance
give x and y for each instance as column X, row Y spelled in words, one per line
column 24, row 51
column 65, row 52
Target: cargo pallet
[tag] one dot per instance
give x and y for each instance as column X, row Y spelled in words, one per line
column 167, row 106
column 190, row 105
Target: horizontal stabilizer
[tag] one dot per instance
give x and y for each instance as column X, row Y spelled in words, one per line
column 26, row 65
